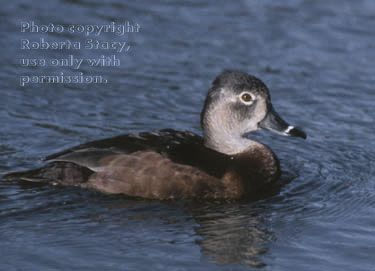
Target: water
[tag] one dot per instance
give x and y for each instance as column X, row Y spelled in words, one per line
column 316, row 57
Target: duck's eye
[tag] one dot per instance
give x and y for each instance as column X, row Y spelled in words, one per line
column 247, row 98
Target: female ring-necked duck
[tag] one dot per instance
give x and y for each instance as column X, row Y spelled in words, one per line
column 169, row 164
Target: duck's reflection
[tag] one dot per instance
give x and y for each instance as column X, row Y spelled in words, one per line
column 231, row 234
column 228, row 233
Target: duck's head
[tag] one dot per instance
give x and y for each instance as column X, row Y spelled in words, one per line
column 237, row 104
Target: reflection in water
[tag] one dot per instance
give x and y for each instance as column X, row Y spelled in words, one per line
column 231, row 234
column 228, row 233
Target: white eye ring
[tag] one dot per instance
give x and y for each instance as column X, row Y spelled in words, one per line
column 247, row 98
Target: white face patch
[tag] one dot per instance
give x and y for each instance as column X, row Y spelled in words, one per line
column 247, row 98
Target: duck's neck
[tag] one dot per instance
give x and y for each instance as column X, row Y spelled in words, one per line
column 224, row 139
column 222, row 132
column 229, row 145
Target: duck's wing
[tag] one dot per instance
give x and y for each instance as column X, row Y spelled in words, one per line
column 125, row 144
column 181, row 147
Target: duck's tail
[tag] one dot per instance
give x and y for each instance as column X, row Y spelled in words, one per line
column 65, row 173
column 24, row 175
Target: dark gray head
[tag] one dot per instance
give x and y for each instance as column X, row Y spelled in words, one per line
column 238, row 104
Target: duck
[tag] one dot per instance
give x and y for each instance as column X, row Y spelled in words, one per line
column 169, row 164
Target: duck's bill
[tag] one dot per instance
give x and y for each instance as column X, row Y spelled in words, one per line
column 275, row 123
